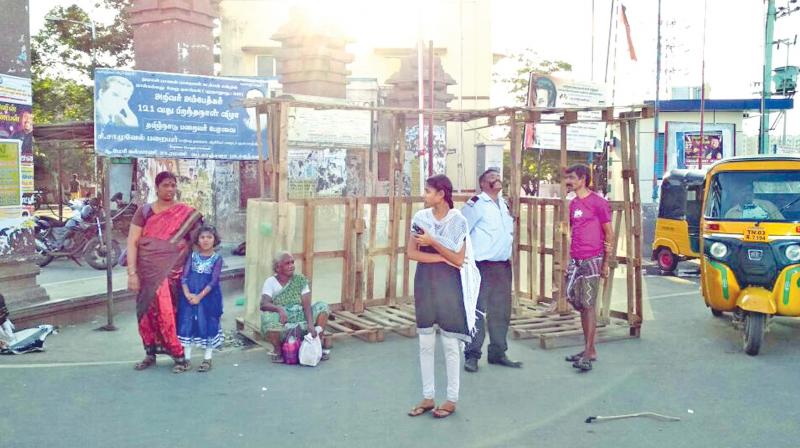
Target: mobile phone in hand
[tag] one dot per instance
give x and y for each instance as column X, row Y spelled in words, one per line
column 417, row 229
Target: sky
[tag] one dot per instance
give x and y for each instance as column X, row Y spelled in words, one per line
column 563, row 29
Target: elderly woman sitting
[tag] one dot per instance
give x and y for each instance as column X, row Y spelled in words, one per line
column 286, row 304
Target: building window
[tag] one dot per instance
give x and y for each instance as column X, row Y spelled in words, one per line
column 265, row 66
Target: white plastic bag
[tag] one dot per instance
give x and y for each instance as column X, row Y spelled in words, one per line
column 310, row 351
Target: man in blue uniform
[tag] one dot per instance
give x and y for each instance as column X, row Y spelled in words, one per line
column 492, row 233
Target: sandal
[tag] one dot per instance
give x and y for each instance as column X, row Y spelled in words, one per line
column 421, row 409
column 182, row 366
column 147, row 362
column 277, row 358
column 443, row 412
column 205, row 366
column 326, row 354
column 577, row 357
column 583, row 364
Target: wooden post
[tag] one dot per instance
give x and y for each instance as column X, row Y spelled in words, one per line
column 373, row 229
column 394, row 216
column 533, row 241
column 516, row 164
column 260, row 145
column 542, row 210
column 562, row 258
column 637, row 229
column 347, row 259
column 406, row 260
column 608, row 283
column 282, row 125
column 358, row 275
column 308, row 241
column 273, row 150
column 626, row 191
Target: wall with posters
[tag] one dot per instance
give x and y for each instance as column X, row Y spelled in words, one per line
column 148, row 114
column 326, row 150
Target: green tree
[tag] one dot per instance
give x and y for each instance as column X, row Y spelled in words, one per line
column 535, row 165
column 522, row 65
column 63, row 57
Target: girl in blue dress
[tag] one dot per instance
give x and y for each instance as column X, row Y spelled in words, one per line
column 200, row 306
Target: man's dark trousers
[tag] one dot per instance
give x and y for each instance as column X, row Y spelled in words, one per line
column 494, row 299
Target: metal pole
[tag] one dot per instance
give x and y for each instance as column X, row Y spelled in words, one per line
column 431, row 105
column 108, row 247
column 769, row 28
column 60, row 181
column 420, row 118
column 785, row 112
column 703, row 89
column 656, row 129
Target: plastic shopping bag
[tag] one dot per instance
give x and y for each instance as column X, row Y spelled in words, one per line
column 310, row 351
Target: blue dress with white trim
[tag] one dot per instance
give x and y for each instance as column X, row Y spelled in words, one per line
column 200, row 324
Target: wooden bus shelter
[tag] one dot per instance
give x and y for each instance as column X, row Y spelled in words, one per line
column 370, row 236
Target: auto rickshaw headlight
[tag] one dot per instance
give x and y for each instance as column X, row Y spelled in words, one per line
column 719, row 250
column 793, row 252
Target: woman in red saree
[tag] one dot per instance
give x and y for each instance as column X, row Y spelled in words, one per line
column 158, row 243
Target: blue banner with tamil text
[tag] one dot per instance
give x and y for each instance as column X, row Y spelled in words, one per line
column 169, row 115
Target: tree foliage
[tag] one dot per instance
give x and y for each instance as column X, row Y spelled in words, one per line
column 63, row 56
column 522, row 64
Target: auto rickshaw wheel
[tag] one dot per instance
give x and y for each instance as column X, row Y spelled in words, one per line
column 753, row 332
column 667, row 261
column 716, row 313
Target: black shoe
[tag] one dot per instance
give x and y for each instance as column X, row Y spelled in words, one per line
column 471, row 364
column 504, row 361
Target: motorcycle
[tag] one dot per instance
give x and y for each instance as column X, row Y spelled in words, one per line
column 86, row 240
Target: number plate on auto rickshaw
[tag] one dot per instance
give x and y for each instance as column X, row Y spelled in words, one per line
column 755, row 235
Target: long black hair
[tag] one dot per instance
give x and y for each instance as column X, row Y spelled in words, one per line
column 442, row 183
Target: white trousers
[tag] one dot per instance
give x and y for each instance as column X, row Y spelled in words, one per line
column 452, row 355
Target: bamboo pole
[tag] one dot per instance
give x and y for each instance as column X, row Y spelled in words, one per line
column 561, row 257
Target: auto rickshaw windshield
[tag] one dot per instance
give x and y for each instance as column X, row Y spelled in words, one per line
column 767, row 196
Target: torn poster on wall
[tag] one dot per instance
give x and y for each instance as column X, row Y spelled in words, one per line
column 326, row 168
column 194, row 182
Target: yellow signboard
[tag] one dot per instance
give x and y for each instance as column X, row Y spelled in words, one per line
column 10, row 179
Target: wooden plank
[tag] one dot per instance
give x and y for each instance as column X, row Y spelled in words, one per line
column 373, row 229
column 339, row 327
column 308, row 242
column 637, row 226
column 575, row 338
column 406, row 260
column 563, row 227
column 282, row 149
column 347, row 264
column 533, row 239
column 608, row 283
column 360, row 249
column 542, row 256
column 626, row 189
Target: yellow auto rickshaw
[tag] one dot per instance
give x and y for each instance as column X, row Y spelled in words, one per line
column 677, row 236
column 751, row 242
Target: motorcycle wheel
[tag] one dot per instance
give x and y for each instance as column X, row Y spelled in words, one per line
column 95, row 253
column 753, row 332
column 43, row 257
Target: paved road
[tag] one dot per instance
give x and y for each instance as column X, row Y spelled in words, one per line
column 83, row 392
